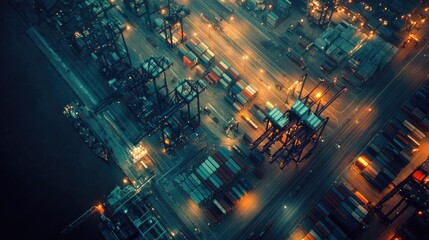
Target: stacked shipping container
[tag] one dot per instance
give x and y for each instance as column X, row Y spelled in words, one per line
column 243, row 92
column 195, row 51
column 211, row 175
column 337, row 216
column 226, row 201
column 381, row 164
column 201, row 49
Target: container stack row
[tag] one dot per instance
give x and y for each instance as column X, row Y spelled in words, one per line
column 211, row 176
column 259, row 112
column 339, row 215
column 381, row 162
column 226, row 201
column 196, row 51
column 219, row 73
column 176, row 38
column 243, row 92
column 202, row 50
column 419, row 112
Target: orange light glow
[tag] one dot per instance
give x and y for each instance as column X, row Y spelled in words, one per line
column 318, row 95
column 361, row 197
column 100, row 208
column 363, row 161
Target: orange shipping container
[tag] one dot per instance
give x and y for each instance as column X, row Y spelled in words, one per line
column 214, row 77
column 187, row 62
column 208, row 78
column 200, row 70
column 419, row 175
column 247, row 93
column 361, row 198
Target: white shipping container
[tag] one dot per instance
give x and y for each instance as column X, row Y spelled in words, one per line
column 223, row 83
column 210, row 53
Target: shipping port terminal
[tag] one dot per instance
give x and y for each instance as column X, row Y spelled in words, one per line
column 248, row 119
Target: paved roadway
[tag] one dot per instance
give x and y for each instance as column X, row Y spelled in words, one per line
column 233, row 43
column 394, row 86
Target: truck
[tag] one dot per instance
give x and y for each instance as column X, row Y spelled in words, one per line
column 298, row 62
column 326, row 68
column 249, row 121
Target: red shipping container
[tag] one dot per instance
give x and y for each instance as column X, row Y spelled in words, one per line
column 187, row 62
column 239, row 163
column 419, row 175
column 247, row 93
column 221, row 157
column 208, row 78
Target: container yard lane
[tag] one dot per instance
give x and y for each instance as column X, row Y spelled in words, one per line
column 239, row 43
column 383, row 100
column 280, row 200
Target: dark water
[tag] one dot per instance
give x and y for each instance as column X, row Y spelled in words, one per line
column 49, row 176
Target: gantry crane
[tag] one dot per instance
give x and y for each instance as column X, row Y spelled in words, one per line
column 321, row 11
column 138, row 91
column 413, row 191
column 181, row 99
column 174, row 18
column 140, row 8
column 86, row 25
column 135, row 84
column 297, row 130
column 53, row 10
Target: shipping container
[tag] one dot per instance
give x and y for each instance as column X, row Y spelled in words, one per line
column 238, row 193
column 234, row 164
column 238, row 162
column 211, row 168
column 224, row 204
column 224, row 176
column 219, row 206
column 232, row 168
column 207, row 168
column 326, row 68
column 233, row 73
column 220, row 156
column 211, row 217
column 248, row 186
column 298, row 62
column 234, row 195
column 225, row 152
column 230, row 198
column 227, row 171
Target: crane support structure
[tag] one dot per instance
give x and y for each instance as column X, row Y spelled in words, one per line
column 80, row 219
column 413, row 191
column 89, row 30
column 321, row 11
column 295, row 133
column 174, row 18
column 184, row 99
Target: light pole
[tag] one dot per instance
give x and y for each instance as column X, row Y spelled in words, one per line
column 287, row 95
column 245, row 58
column 293, row 86
column 210, row 27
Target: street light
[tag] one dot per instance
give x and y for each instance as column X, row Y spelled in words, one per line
column 209, row 26
column 318, row 95
column 293, row 86
column 245, row 58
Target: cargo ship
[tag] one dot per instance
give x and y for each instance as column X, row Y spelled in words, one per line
column 72, row 114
